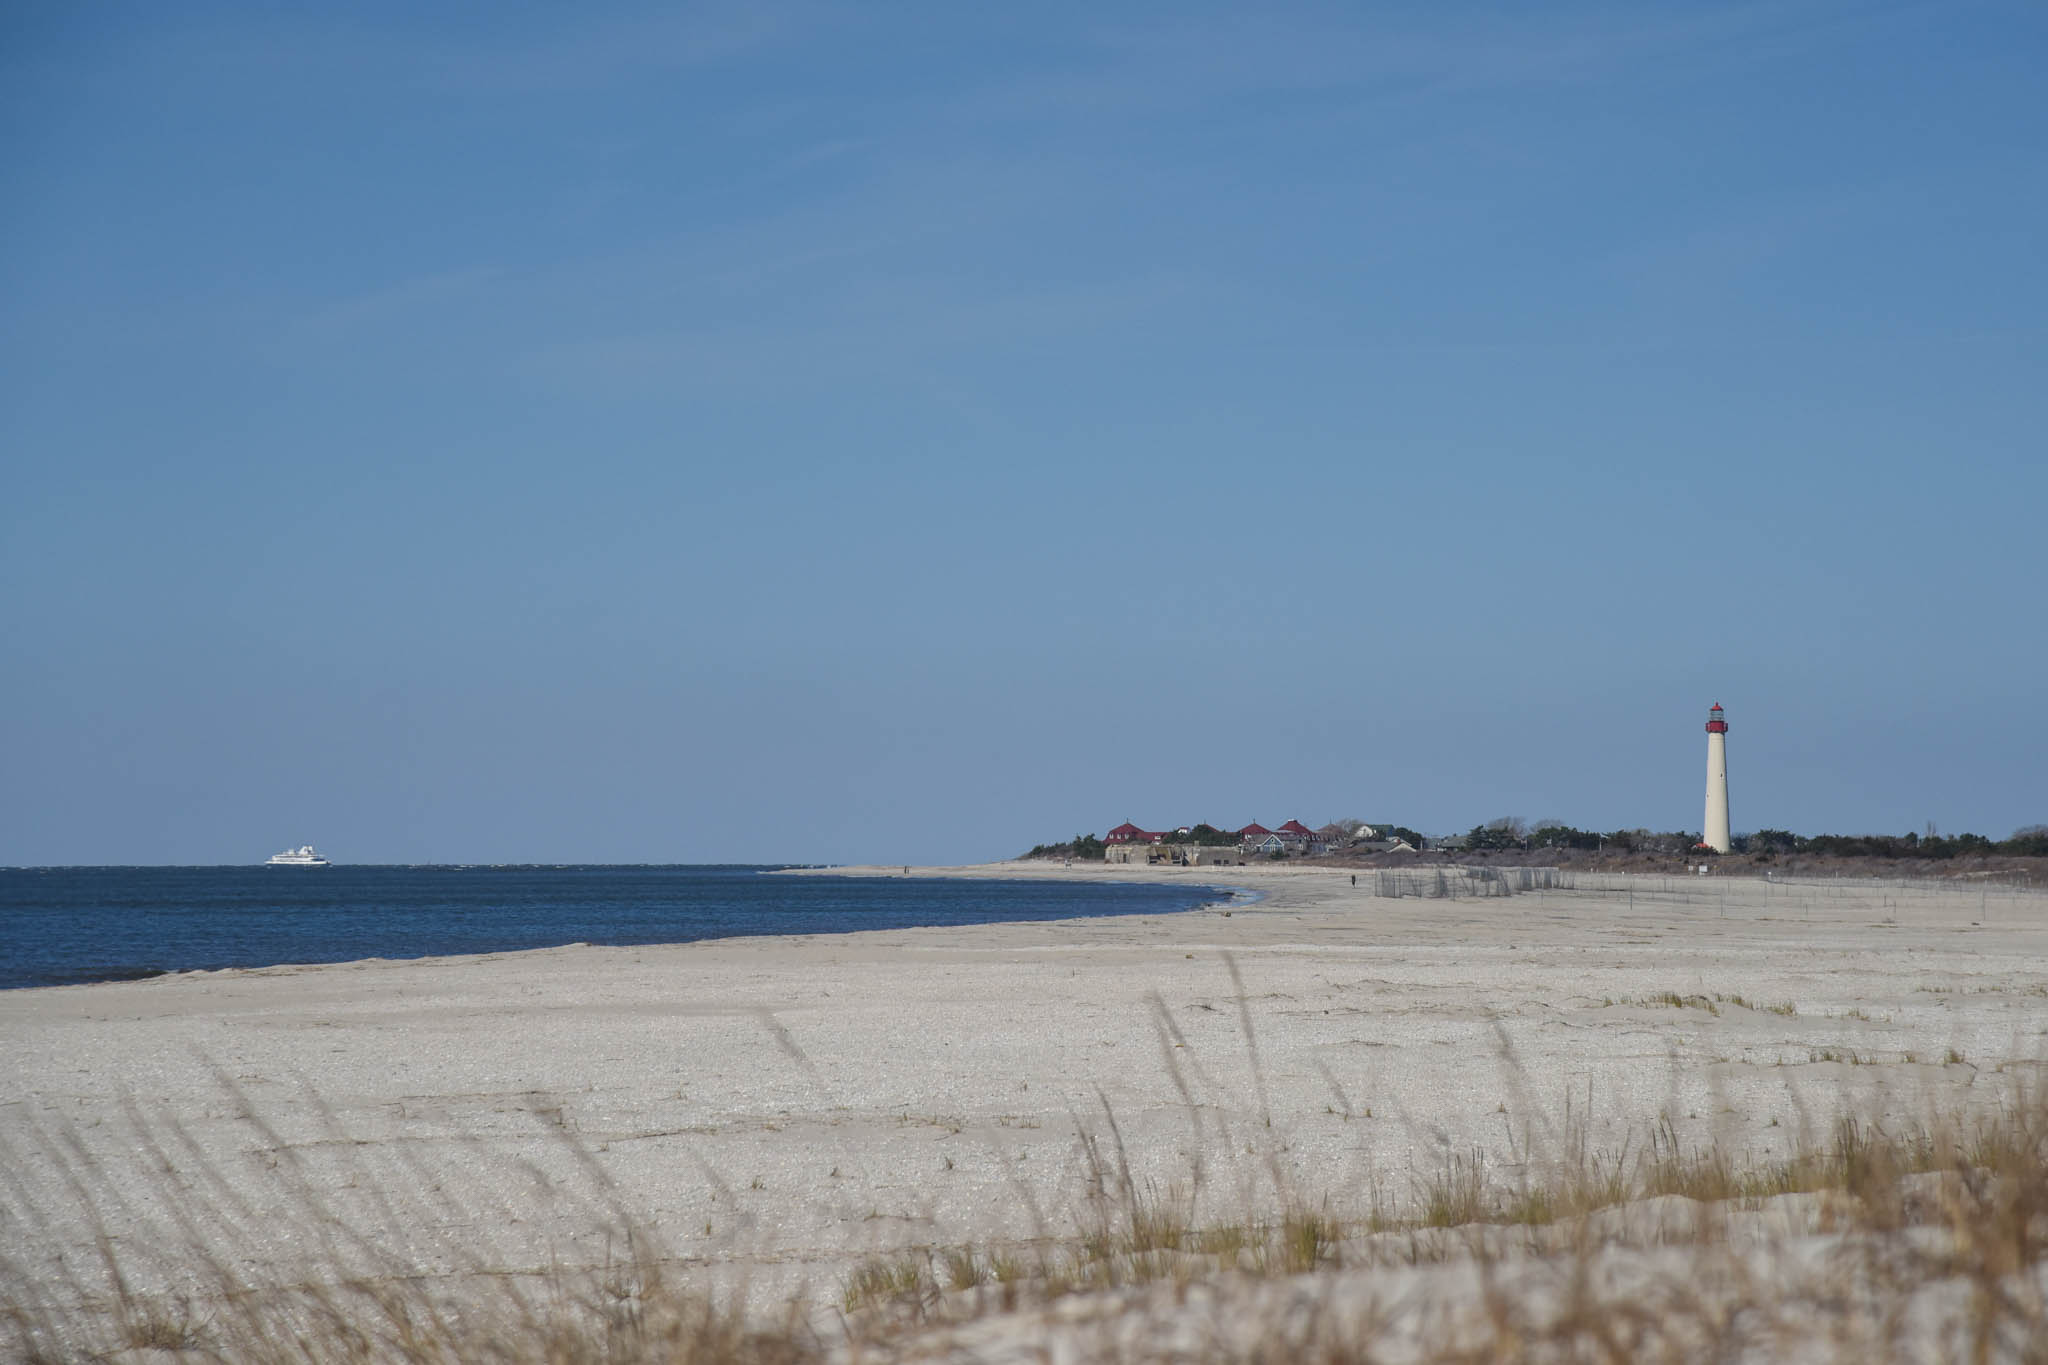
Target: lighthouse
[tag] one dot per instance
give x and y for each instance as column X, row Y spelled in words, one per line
column 1715, row 832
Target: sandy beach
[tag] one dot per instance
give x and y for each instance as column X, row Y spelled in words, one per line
column 768, row 1112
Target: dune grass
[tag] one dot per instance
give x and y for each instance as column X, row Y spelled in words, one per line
column 1947, row 1213
column 1951, row 1211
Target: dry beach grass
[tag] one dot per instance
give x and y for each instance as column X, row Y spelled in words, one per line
column 1711, row 1124
column 1923, row 1245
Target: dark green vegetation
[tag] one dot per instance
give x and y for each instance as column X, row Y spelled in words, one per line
column 1564, row 836
column 2028, row 842
column 1080, row 846
column 1510, row 833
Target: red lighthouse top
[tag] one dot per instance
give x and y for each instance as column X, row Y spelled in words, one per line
column 1716, row 725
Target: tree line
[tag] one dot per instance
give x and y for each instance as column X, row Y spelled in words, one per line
column 1510, row 832
column 2029, row 841
column 1083, row 846
column 1513, row 832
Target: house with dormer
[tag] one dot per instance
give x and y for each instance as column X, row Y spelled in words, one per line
column 1291, row 840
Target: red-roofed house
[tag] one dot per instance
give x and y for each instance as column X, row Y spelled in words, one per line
column 1293, row 837
column 1255, row 839
column 1301, row 839
column 1129, row 844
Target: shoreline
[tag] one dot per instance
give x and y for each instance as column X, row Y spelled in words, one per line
column 145, row 970
column 776, row 1108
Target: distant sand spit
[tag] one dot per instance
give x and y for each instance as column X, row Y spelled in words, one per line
column 769, row 1111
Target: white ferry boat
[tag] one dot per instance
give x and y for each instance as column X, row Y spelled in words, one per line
column 302, row 856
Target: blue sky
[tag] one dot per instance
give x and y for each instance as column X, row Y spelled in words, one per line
column 825, row 433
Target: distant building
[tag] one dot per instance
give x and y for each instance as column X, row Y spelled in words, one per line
column 1293, row 838
column 1205, row 855
column 1132, row 843
column 1156, row 850
column 1297, row 836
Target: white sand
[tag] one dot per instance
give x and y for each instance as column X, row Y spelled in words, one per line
column 772, row 1109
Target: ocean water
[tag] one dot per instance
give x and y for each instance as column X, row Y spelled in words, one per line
column 65, row 925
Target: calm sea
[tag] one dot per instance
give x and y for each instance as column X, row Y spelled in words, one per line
column 63, row 925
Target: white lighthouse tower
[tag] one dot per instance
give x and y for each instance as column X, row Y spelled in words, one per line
column 1715, row 832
